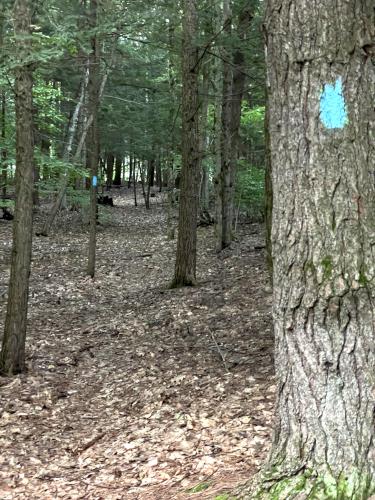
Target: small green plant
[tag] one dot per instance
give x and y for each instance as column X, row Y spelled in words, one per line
column 199, row 487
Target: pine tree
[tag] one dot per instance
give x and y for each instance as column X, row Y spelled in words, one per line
column 12, row 356
column 322, row 124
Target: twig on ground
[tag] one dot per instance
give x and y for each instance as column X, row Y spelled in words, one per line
column 220, row 352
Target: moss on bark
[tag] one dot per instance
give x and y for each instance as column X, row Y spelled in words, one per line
column 307, row 484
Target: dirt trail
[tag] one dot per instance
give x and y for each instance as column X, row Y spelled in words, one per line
column 135, row 391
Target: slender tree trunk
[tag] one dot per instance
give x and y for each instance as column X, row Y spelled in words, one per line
column 185, row 269
column 322, row 128
column 66, row 156
column 171, row 202
column 159, row 176
column 135, row 182
column 12, row 356
column 3, row 156
column 238, row 86
column 92, row 144
column 118, row 171
column 61, row 194
column 150, row 176
column 268, row 193
column 110, row 164
column 225, row 179
column 142, row 168
column 217, row 146
column 131, row 167
column 203, row 198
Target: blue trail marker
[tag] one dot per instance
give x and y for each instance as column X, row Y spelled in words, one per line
column 94, row 181
column 333, row 112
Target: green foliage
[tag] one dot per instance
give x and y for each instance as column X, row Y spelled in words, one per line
column 252, row 126
column 6, row 203
column 47, row 97
column 199, row 487
column 249, row 196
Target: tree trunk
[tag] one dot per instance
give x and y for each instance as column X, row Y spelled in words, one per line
column 12, row 356
column 131, row 166
column 61, row 194
column 238, row 86
column 150, row 177
column 135, row 175
column 159, row 176
column 185, row 268
column 268, row 193
column 118, row 171
column 322, row 127
column 171, row 201
column 110, row 164
column 4, row 155
column 92, row 143
column 204, row 193
column 217, row 142
column 224, row 226
column 66, row 156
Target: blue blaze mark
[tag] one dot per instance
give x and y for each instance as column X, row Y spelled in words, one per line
column 333, row 112
column 94, row 181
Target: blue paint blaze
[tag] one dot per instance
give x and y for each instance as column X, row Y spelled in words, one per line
column 333, row 112
column 94, row 181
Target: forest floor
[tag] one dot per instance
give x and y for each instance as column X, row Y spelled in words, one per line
column 134, row 390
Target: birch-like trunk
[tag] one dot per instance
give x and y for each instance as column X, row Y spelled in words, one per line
column 77, row 155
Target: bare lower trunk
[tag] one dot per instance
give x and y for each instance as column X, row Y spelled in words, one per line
column 185, row 268
column 238, row 88
column 118, row 171
column 135, row 178
column 93, row 136
column 322, row 126
column 4, row 155
column 131, row 167
column 109, row 170
column 203, row 190
column 268, row 194
column 12, row 356
column 225, row 178
column 150, row 177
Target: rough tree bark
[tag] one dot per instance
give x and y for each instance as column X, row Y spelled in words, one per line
column 110, row 160
column 12, row 356
column 3, row 158
column 185, row 268
column 320, row 60
column 92, row 143
column 204, row 181
column 131, row 166
column 224, row 215
column 268, row 199
column 4, row 154
column 118, row 171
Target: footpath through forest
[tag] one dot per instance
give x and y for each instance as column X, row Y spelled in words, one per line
column 136, row 391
